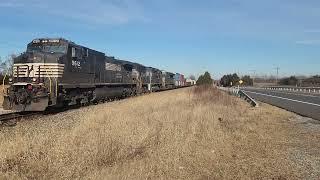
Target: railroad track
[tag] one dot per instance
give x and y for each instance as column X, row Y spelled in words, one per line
column 11, row 119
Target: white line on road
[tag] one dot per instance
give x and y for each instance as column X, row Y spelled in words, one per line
column 295, row 94
column 313, row 104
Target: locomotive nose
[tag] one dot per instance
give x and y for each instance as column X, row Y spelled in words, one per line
column 22, row 97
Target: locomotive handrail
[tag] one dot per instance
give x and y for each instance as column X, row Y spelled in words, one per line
column 56, row 79
column 3, row 81
column 50, row 81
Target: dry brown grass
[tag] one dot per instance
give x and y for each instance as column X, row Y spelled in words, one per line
column 181, row 134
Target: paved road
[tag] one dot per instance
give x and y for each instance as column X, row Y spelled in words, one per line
column 301, row 103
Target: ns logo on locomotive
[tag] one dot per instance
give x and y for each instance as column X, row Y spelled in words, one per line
column 58, row 73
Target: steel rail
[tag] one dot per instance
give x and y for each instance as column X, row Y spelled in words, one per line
column 12, row 118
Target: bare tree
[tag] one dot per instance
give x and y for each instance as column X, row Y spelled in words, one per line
column 192, row 77
column 6, row 66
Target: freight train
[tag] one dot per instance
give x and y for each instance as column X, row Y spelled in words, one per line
column 57, row 73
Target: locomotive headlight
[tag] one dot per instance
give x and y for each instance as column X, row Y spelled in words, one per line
column 34, row 79
column 10, row 80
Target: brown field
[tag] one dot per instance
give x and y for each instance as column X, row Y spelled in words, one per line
column 181, row 134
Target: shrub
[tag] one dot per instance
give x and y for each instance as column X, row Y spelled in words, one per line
column 205, row 79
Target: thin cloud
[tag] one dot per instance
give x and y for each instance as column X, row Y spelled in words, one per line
column 308, row 42
column 93, row 12
column 10, row 4
column 312, row 31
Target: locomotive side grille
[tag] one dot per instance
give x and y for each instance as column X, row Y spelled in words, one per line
column 38, row 70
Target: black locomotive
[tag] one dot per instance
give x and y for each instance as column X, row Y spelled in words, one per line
column 58, row 72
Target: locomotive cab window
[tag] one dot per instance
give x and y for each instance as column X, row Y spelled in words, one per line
column 73, row 52
column 87, row 52
column 76, row 53
column 47, row 48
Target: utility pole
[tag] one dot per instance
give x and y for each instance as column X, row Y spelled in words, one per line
column 254, row 76
column 277, row 78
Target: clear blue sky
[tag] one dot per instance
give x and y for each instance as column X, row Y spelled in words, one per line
column 184, row 36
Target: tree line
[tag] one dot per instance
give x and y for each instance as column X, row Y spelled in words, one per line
column 234, row 80
column 226, row 81
column 294, row 81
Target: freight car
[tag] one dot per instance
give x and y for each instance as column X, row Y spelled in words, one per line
column 57, row 73
column 179, row 80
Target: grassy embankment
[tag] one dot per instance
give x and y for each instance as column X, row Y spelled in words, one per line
column 181, row 134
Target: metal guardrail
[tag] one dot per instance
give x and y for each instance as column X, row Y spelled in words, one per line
column 249, row 99
column 295, row 89
column 239, row 93
column 233, row 91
